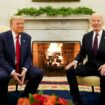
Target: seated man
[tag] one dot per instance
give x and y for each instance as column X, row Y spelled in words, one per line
column 93, row 45
column 16, row 60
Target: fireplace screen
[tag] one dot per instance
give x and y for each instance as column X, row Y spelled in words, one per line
column 52, row 57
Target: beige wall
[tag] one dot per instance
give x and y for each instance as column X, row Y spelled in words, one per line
column 9, row 7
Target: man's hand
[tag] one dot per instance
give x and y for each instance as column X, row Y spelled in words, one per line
column 72, row 64
column 23, row 74
column 102, row 69
column 17, row 77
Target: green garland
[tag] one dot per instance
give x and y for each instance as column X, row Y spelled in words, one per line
column 50, row 11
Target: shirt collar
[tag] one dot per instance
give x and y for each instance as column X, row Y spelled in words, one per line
column 99, row 33
column 14, row 35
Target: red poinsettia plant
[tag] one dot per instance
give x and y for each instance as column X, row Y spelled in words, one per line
column 43, row 99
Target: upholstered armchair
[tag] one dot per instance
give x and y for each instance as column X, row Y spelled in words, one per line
column 89, row 80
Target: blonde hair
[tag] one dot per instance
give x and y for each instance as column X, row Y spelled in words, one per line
column 14, row 18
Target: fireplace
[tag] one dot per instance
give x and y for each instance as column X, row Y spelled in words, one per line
column 65, row 31
column 53, row 56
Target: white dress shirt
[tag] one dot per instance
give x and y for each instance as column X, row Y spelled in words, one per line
column 14, row 40
column 99, row 37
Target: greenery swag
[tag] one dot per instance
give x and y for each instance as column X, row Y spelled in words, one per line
column 50, row 11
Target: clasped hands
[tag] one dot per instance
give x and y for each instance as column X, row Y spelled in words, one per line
column 19, row 77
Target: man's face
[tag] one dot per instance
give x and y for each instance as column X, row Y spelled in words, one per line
column 17, row 25
column 96, row 23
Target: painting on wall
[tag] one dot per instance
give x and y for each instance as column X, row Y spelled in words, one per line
column 55, row 0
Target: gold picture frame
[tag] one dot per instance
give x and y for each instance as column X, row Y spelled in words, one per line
column 55, row 0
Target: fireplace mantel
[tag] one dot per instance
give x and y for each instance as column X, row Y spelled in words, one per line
column 44, row 28
column 73, row 17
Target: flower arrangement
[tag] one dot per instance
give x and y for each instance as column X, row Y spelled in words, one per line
column 42, row 99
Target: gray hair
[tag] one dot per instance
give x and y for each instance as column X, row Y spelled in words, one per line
column 97, row 14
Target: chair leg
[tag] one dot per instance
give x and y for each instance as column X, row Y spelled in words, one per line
column 92, row 89
column 16, row 88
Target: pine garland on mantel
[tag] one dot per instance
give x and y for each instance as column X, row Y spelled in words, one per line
column 50, row 11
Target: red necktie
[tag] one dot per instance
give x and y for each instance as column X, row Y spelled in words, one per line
column 17, row 54
column 95, row 45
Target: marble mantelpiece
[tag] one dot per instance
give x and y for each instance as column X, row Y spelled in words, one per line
column 70, row 28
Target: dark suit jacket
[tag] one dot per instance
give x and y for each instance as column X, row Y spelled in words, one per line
column 86, row 49
column 7, row 51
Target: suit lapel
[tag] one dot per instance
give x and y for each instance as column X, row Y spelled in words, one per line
column 23, row 46
column 10, row 43
column 102, row 41
column 90, row 41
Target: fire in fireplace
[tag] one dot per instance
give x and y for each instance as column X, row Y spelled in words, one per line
column 52, row 56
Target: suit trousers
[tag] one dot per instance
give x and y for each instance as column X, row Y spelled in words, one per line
column 81, row 70
column 33, row 75
column 4, row 80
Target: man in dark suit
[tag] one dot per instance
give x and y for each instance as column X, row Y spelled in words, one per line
column 93, row 46
column 16, row 60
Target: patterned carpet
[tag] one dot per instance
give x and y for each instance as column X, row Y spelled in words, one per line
column 60, row 87
column 55, row 83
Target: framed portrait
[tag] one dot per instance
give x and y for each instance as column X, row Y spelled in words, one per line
column 55, row 0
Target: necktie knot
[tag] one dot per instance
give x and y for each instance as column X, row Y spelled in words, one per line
column 95, row 44
column 17, row 37
column 96, row 34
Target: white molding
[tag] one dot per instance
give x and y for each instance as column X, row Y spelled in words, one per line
column 69, row 28
column 73, row 17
